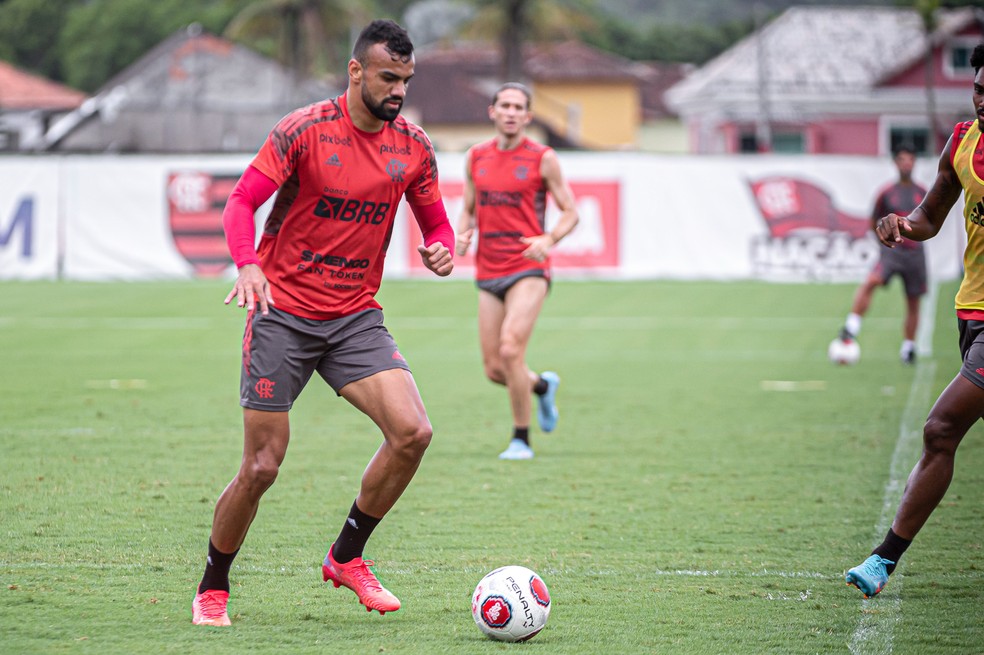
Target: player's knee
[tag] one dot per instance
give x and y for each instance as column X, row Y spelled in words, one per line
column 414, row 439
column 260, row 473
column 941, row 436
column 494, row 371
column 511, row 350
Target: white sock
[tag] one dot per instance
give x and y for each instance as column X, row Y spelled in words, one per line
column 853, row 323
column 907, row 347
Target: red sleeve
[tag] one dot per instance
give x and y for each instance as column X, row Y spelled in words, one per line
column 252, row 190
column 434, row 224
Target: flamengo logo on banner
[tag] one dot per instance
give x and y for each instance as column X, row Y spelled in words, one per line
column 809, row 239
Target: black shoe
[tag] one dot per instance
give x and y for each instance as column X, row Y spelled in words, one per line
column 845, row 335
column 909, row 358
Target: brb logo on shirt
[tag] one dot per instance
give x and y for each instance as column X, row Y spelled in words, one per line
column 350, row 210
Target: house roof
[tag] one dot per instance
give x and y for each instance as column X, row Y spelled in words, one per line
column 20, row 90
column 194, row 69
column 816, row 52
column 453, row 85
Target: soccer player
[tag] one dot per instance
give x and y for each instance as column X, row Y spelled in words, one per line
column 961, row 405
column 340, row 168
column 506, row 182
column 908, row 260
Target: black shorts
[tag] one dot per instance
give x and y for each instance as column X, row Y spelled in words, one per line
column 281, row 351
column 972, row 350
column 907, row 263
column 499, row 286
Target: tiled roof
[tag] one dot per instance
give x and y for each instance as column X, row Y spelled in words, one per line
column 813, row 51
column 20, row 90
column 455, row 84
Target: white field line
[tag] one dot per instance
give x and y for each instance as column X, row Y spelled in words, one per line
column 875, row 632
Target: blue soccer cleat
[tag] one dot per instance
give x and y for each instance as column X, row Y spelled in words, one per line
column 547, row 413
column 870, row 576
column 517, row 449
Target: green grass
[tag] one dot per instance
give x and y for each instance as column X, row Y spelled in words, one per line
column 684, row 505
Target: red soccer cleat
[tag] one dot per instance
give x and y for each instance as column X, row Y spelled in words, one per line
column 209, row 608
column 357, row 576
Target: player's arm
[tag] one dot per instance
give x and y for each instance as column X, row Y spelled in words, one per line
column 925, row 220
column 238, row 219
column 539, row 246
column 466, row 221
column 435, row 227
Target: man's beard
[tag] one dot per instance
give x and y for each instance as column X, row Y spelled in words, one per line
column 380, row 110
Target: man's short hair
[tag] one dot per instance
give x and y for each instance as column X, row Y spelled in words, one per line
column 395, row 38
column 904, row 147
column 977, row 57
column 518, row 87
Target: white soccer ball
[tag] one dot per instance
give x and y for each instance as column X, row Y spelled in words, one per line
column 511, row 604
column 845, row 353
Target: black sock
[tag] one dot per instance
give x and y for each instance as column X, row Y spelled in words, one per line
column 540, row 387
column 892, row 549
column 354, row 535
column 523, row 434
column 216, row 569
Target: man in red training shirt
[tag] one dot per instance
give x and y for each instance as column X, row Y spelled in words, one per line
column 506, row 184
column 339, row 169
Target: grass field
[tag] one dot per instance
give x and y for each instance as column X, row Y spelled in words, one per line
column 711, row 479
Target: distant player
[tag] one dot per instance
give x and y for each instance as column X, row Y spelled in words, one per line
column 961, row 405
column 908, row 260
column 340, row 168
column 506, row 184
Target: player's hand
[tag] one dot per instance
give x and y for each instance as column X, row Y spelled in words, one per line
column 436, row 258
column 538, row 247
column 250, row 286
column 462, row 242
column 890, row 228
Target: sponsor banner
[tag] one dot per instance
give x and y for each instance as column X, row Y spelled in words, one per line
column 29, row 226
column 592, row 246
column 768, row 217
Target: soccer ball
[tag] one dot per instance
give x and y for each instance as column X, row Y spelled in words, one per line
column 511, row 604
column 844, row 352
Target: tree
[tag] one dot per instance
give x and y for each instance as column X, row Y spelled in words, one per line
column 28, row 29
column 309, row 37
column 515, row 22
column 102, row 37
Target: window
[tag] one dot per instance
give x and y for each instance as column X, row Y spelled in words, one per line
column 791, row 143
column 916, row 138
column 956, row 58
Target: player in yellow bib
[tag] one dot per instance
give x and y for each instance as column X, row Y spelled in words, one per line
column 961, row 405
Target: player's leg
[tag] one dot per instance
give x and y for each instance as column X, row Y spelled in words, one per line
column 270, row 380
column 915, row 282
column 907, row 352
column 862, row 302
column 491, row 314
column 957, row 409
column 390, row 398
column 264, row 447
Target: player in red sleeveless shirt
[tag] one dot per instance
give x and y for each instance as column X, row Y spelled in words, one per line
column 339, row 168
column 506, row 184
column 908, row 261
column 961, row 404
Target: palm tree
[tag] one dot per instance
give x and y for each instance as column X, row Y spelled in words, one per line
column 517, row 21
column 309, row 37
